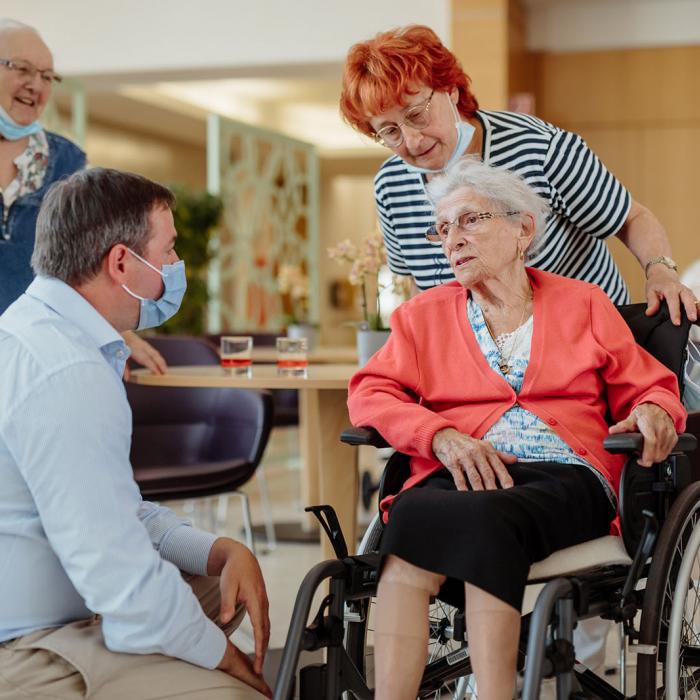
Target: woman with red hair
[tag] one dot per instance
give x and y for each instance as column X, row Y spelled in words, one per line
column 405, row 89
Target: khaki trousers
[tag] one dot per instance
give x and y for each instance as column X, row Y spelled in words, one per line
column 72, row 663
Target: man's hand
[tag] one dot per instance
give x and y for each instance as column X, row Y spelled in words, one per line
column 477, row 459
column 241, row 581
column 238, row 665
column 656, row 427
column 663, row 283
column 144, row 353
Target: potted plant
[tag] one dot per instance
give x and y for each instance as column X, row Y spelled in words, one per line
column 293, row 285
column 366, row 261
column 196, row 215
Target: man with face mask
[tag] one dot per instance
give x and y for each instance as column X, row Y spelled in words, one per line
column 89, row 571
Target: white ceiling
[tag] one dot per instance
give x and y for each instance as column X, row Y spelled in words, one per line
column 299, row 97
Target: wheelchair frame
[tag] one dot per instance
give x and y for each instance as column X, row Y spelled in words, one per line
column 610, row 592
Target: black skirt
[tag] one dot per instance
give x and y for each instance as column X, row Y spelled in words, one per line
column 490, row 538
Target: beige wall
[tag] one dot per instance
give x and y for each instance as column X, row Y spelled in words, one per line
column 159, row 158
column 639, row 109
column 347, row 211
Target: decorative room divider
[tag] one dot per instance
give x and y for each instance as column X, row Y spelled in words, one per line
column 269, row 185
column 68, row 94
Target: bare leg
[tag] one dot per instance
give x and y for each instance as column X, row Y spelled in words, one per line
column 401, row 628
column 493, row 628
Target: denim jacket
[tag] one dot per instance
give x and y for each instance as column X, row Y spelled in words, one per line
column 17, row 234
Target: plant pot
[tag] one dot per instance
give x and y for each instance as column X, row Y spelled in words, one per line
column 368, row 342
column 303, row 330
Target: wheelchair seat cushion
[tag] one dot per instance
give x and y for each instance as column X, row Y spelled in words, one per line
column 603, row 551
column 491, row 538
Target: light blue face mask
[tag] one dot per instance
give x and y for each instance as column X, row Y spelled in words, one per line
column 465, row 132
column 13, row 131
column 154, row 312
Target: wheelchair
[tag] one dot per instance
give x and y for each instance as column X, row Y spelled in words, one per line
column 647, row 580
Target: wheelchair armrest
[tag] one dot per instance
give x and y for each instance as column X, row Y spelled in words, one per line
column 634, row 442
column 363, row 436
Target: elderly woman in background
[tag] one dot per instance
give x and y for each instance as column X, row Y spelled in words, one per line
column 406, row 90
column 32, row 159
column 497, row 385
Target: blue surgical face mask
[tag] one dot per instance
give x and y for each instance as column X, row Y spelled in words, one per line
column 465, row 132
column 154, row 312
column 13, row 131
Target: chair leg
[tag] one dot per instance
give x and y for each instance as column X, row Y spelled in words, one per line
column 247, row 525
column 267, row 511
column 221, row 513
column 211, row 515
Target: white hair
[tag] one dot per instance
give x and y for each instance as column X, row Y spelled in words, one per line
column 506, row 190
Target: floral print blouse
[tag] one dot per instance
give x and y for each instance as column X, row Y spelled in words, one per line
column 31, row 169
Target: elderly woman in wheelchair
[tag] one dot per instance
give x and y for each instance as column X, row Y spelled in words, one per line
column 501, row 388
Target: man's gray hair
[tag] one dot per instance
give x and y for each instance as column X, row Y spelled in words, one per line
column 84, row 216
column 505, row 190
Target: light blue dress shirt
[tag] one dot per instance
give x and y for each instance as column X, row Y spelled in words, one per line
column 75, row 536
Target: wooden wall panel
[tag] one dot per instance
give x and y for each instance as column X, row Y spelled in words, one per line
column 640, row 112
column 480, row 42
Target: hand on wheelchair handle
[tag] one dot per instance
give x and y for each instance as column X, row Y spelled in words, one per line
column 475, row 461
column 657, row 429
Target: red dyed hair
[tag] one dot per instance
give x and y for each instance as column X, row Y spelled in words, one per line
column 381, row 72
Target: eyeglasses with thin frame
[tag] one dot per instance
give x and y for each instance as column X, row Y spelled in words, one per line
column 466, row 222
column 417, row 117
column 25, row 69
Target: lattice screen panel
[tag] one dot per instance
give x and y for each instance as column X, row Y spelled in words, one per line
column 269, row 185
column 70, row 120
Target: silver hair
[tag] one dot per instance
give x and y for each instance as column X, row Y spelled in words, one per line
column 506, row 191
column 84, row 216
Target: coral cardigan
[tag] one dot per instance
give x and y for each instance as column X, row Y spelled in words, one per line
column 585, row 368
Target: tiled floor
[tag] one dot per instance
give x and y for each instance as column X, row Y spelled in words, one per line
column 285, row 566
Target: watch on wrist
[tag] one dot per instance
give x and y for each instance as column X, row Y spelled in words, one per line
column 660, row 260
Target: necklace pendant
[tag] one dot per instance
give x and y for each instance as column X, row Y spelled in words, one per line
column 504, row 367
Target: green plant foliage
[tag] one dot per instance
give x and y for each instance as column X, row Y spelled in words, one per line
column 197, row 214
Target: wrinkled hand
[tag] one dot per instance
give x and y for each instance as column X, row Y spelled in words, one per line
column 241, row 581
column 657, row 429
column 477, row 459
column 238, row 665
column 663, row 283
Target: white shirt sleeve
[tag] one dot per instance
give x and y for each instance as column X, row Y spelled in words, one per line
column 70, row 438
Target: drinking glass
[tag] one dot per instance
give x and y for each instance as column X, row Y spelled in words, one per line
column 237, row 353
column 292, row 359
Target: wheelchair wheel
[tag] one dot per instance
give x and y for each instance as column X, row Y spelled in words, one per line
column 671, row 608
column 359, row 635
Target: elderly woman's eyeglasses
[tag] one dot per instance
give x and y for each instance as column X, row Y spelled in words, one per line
column 417, row 117
column 466, row 222
column 25, row 69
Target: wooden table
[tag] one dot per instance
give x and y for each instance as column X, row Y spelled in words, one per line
column 330, row 468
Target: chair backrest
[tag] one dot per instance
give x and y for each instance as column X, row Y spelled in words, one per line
column 187, row 426
column 185, row 350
